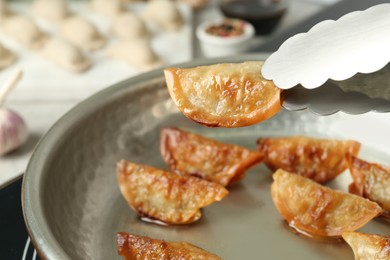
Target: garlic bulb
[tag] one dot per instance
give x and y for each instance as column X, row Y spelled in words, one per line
column 13, row 131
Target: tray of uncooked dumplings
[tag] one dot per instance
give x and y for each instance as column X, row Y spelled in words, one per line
column 68, row 50
column 71, row 49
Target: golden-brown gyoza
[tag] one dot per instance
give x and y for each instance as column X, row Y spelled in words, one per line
column 133, row 247
column 370, row 180
column 318, row 211
column 190, row 154
column 165, row 196
column 225, row 95
column 368, row 246
column 318, row 159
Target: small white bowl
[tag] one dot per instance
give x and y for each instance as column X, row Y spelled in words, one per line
column 217, row 46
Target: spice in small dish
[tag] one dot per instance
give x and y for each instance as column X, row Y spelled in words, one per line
column 228, row 28
column 222, row 37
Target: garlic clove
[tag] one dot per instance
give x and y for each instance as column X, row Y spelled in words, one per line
column 13, row 131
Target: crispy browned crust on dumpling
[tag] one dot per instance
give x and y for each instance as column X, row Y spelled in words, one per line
column 166, row 196
column 225, row 94
column 368, row 246
column 370, row 180
column 191, row 154
column 133, row 247
column 318, row 159
column 318, row 211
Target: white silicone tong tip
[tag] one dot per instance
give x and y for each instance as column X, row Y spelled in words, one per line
column 357, row 42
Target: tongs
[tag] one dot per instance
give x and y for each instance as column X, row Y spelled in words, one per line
column 337, row 65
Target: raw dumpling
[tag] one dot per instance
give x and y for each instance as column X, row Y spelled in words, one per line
column 82, row 33
column 6, row 57
column 166, row 196
column 128, row 26
column 138, row 53
column 368, row 246
column 371, row 181
column 196, row 4
column 24, row 30
column 108, row 7
column 165, row 14
column 53, row 10
column 140, row 247
column 194, row 155
column 318, row 159
column 65, row 55
column 132, row 1
column 4, row 11
column 318, row 211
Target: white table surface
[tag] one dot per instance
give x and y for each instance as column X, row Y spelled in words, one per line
column 42, row 103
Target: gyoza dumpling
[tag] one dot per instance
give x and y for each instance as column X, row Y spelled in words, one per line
column 53, row 10
column 371, row 181
column 166, row 196
column 128, row 26
column 108, row 7
column 318, row 211
column 318, row 159
column 82, row 33
column 194, row 155
column 165, row 14
column 7, row 57
column 66, row 55
column 223, row 94
column 138, row 53
column 140, row 247
column 24, row 30
column 368, row 246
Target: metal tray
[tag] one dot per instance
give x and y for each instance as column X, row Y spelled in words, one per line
column 73, row 207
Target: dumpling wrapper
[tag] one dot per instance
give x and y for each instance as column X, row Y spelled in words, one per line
column 128, row 26
column 137, row 53
column 371, row 181
column 164, row 14
column 52, row 10
column 318, row 159
column 7, row 57
column 368, row 246
column 317, row 211
column 141, row 247
column 24, row 30
column 165, row 196
column 191, row 154
column 82, row 33
column 4, row 10
column 66, row 55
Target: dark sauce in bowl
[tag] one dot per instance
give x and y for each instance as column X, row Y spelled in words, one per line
column 264, row 15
